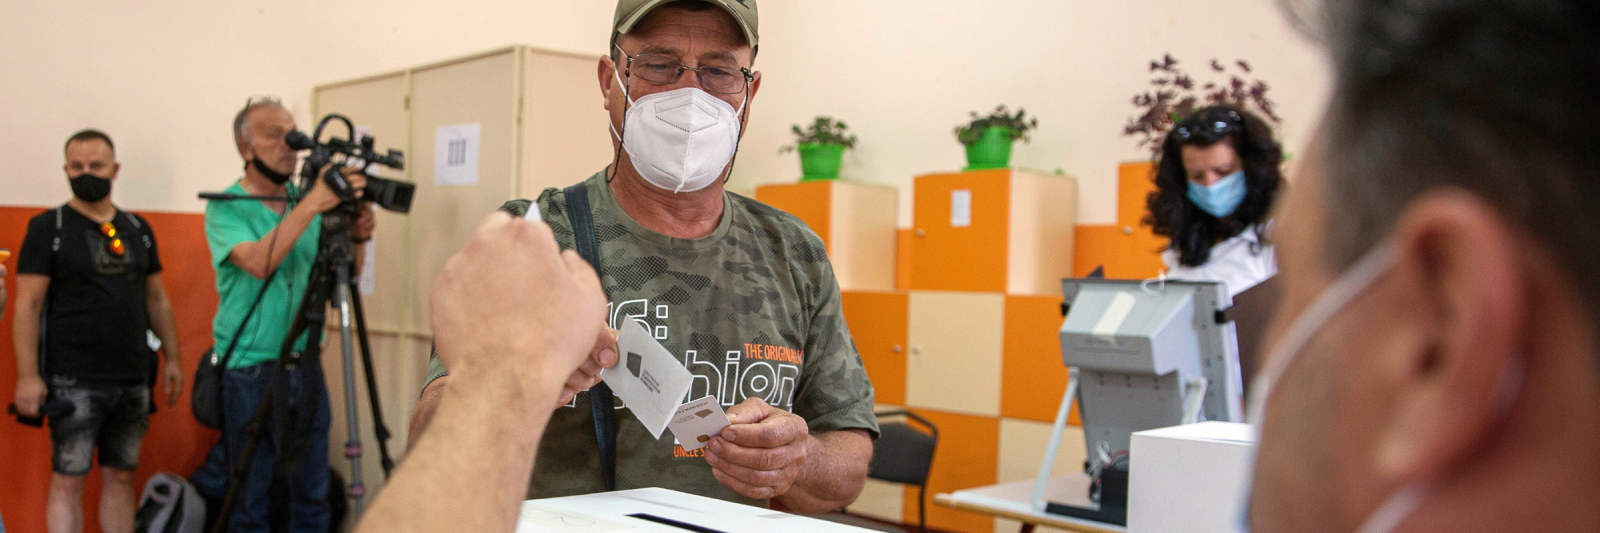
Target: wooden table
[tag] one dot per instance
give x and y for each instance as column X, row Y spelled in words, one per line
column 1010, row 500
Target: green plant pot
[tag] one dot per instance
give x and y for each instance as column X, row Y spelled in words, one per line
column 820, row 161
column 993, row 150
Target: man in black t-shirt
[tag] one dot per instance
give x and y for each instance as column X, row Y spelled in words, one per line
column 88, row 295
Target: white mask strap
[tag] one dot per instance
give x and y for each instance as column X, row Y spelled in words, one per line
column 625, row 96
column 1331, row 301
column 1395, row 509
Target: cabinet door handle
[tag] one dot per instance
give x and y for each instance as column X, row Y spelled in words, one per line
column 916, row 351
column 920, row 233
column 896, row 348
column 1127, row 230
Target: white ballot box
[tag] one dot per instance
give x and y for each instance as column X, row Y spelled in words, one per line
column 1188, row 478
column 663, row 510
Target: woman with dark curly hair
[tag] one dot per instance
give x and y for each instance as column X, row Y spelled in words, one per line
column 1215, row 182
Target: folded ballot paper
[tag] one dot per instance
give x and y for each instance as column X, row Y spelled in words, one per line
column 650, row 381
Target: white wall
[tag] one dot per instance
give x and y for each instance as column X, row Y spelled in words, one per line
column 164, row 78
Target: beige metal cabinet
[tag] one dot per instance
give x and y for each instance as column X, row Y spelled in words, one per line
column 541, row 124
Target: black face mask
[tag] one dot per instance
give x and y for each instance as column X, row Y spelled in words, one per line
column 278, row 178
column 89, row 187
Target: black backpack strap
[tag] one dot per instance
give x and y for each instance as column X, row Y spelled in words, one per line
column 601, row 399
column 44, row 309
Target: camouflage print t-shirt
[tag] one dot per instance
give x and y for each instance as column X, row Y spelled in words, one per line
column 752, row 310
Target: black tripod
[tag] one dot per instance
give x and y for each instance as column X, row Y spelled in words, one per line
column 330, row 282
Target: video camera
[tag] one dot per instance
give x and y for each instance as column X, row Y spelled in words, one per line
column 388, row 194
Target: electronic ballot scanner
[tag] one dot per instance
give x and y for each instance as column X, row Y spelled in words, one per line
column 1141, row 355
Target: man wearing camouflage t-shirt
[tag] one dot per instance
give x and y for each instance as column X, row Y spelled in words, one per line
column 740, row 292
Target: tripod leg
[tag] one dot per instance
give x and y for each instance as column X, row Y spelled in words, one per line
column 352, row 445
column 378, row 427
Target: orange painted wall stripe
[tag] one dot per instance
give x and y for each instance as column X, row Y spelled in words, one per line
column 175, row 442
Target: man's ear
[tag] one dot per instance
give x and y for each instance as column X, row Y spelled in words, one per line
column 116, row 168
column 245, row 150
column 1458, row 262
column 604, row 70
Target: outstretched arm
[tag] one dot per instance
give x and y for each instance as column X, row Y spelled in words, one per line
column 512, row 318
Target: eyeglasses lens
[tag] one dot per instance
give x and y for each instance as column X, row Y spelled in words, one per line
column 665, row 70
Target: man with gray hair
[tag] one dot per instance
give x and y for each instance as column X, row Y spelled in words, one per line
column 263, row 251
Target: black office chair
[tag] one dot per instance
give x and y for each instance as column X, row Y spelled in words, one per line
column 902, row 454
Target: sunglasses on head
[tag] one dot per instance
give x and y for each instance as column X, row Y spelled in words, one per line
column 116, row 245
column 1218, row 127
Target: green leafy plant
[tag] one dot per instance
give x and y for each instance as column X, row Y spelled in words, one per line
column 1020, row 124
column 824, row 130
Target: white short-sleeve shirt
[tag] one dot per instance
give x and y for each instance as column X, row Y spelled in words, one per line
column 1239, row 263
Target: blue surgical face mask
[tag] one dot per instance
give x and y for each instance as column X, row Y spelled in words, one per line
column 1220, row 198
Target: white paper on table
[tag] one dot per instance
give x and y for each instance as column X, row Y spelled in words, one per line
column 648, row 379
column 961, row 208
column 455, row 154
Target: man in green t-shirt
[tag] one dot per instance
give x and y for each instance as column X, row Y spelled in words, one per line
column 256, row 242
column 740, row 292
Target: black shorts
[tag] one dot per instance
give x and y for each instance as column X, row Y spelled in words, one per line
column 112, row 418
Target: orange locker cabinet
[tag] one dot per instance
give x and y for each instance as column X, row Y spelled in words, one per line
column 877, row 322
column 1127, row 249
column 855, row 220
column 1004, row 230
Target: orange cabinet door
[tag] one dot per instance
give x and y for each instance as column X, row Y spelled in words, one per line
column 877, row 322
column 967, row 254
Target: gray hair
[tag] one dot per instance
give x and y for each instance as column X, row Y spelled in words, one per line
column 241, row 121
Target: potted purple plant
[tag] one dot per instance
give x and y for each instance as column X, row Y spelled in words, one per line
column 1174, row 94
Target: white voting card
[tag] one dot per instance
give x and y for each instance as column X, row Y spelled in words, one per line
column 533, row 214
column 647, row 377
column 696, row 422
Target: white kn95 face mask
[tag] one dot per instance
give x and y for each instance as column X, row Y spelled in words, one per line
column 679, row 140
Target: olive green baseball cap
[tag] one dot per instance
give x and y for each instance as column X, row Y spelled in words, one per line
column 630, row 12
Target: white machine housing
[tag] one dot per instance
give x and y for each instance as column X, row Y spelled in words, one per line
column 1141, row 348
